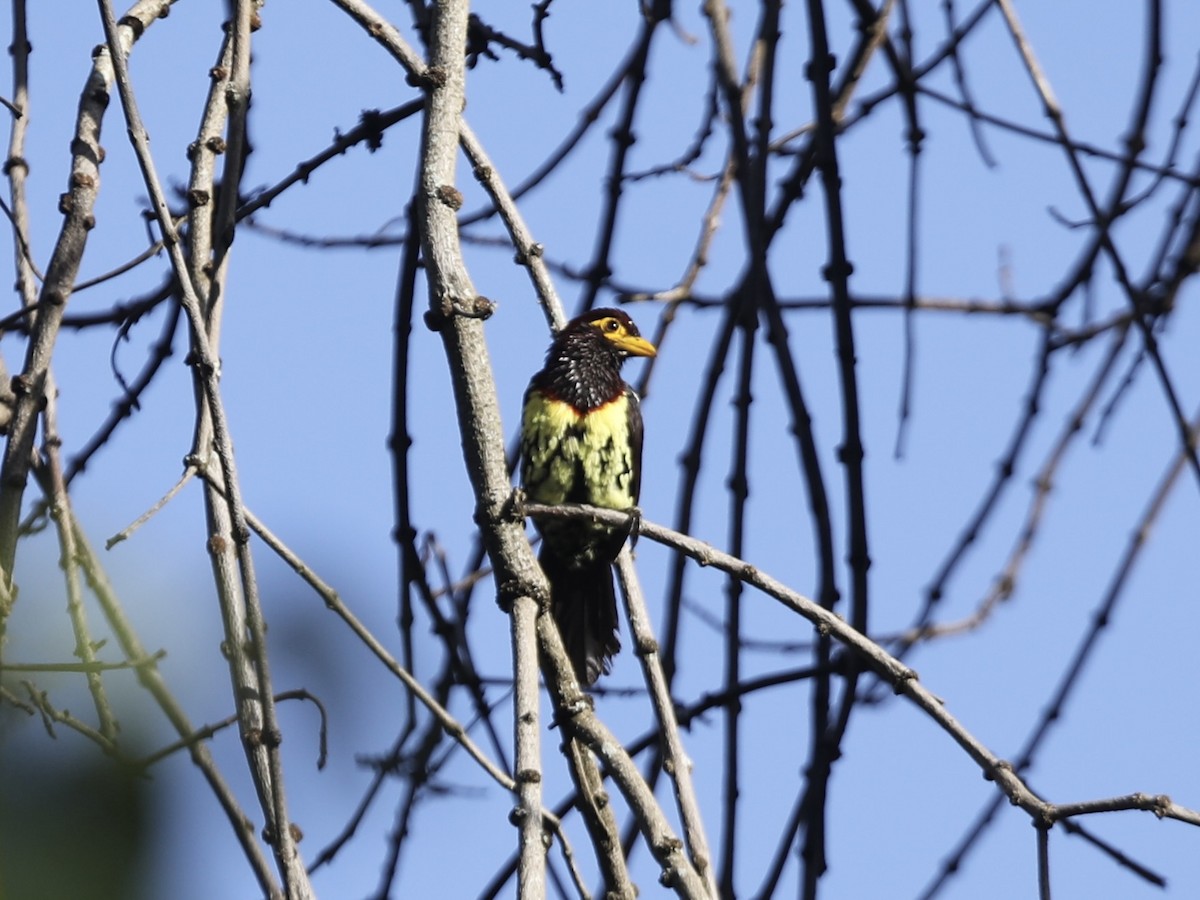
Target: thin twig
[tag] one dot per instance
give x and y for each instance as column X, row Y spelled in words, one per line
column 675, row 759
column 903, row 679
column 260, row 728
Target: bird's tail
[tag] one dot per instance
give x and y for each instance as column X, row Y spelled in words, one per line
column 584, row 606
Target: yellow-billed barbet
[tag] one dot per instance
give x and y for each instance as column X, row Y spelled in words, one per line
column 581, row 442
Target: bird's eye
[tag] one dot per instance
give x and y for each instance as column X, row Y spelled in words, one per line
column 611, row 325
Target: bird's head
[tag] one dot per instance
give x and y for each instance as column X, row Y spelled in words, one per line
column 614, row 326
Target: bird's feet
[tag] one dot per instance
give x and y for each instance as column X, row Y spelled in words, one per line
column 516, row 504
column 633, row 526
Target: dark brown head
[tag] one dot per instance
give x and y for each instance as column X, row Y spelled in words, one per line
column 583, row 365
column 615, row 326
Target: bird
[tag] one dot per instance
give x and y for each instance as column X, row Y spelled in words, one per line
column 581, row 442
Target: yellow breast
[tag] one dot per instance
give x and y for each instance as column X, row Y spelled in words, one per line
column 572, row 458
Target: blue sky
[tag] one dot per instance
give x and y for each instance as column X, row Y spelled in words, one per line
column 307, row 363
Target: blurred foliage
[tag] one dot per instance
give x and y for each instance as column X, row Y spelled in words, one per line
column 72, row 825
